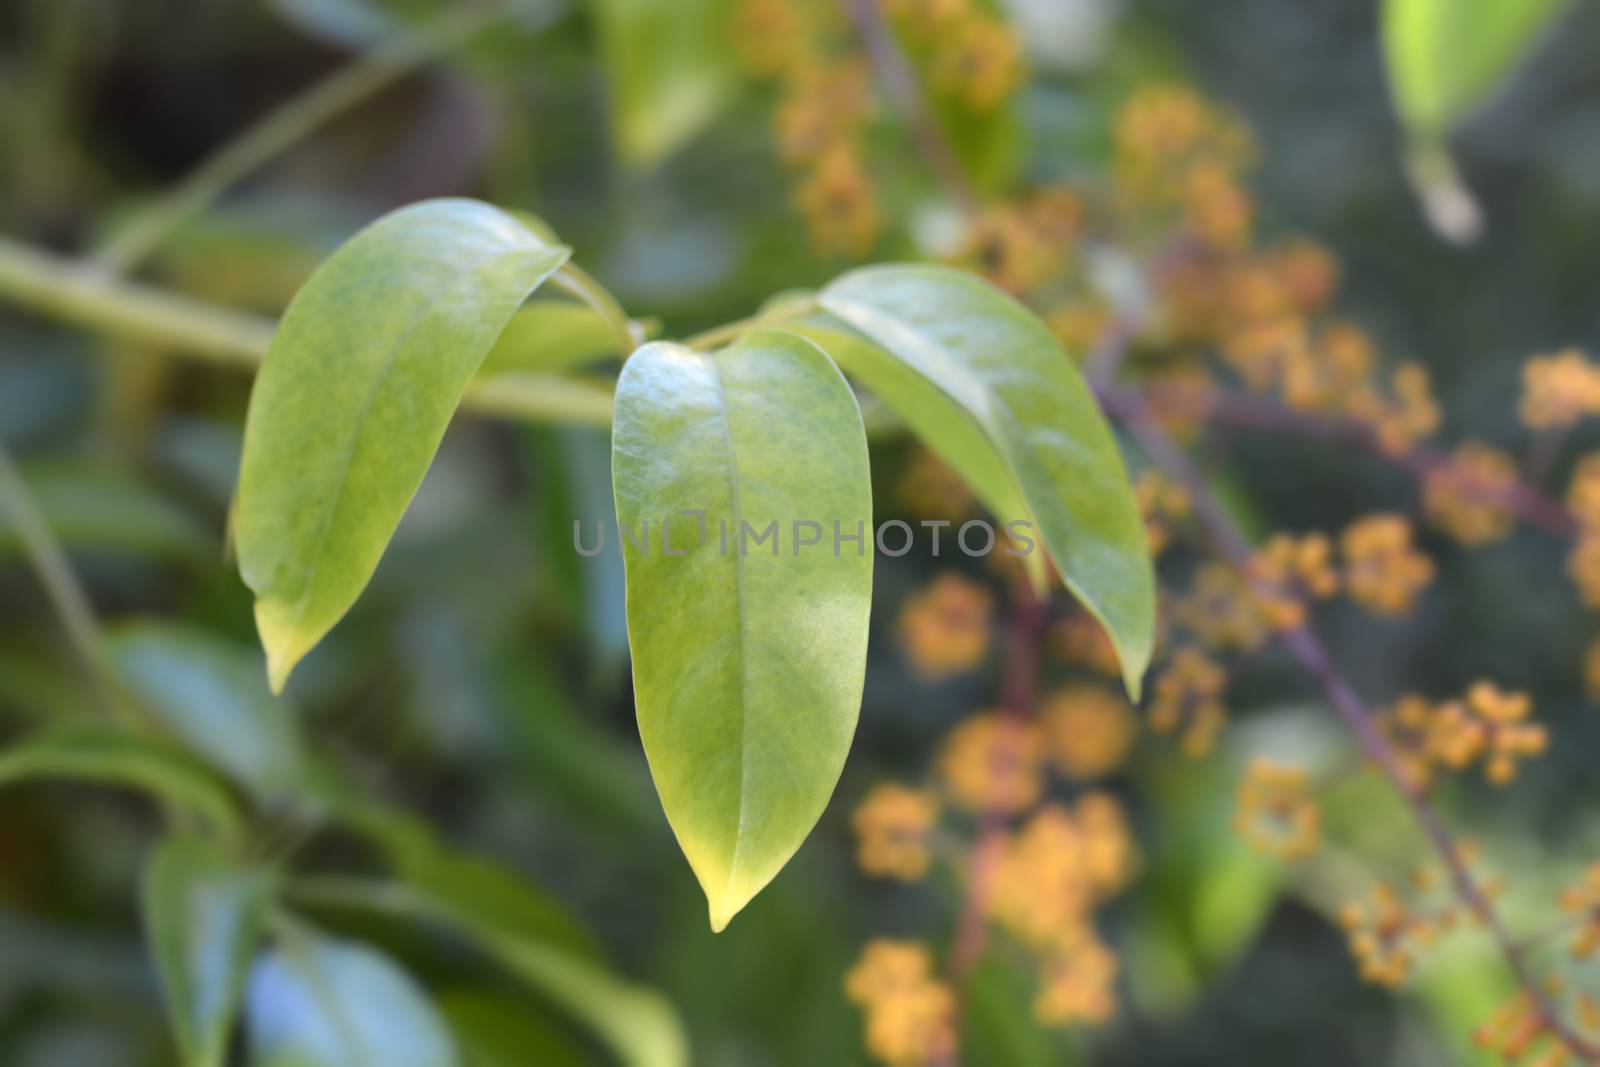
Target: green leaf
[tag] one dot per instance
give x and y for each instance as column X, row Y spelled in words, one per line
column 635, row 1022
column 1447, row 56
column 668, row 68
column 361, row 379
column 992, row 358
column 937, row 420
column 210, row 693
column 320, row 1002
column 203, row 916
column 499, row 1030
column 550, row 336
column 105, row 509
column 109, row 756
column 748, row 657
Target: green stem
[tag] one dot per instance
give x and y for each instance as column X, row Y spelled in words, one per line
column 288, row 124
column 62, row 289
column 67, row 596
column 580, row 283
column 729, row 331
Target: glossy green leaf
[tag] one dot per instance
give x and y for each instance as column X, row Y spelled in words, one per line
column 937, row 420
column 320, row 1002
column 748, row 656
column 636, row 1023
column 353, row 397
column 203, row 916
column 1447, row 56
column 996, row 361
column 668, row 69
column 211, row 694
column 110, row 756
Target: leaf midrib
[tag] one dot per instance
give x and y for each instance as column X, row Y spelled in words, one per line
column 738, row 584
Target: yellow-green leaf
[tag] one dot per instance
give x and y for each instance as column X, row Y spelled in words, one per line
column 748, row 651
column 203, row 916
column 1447, row 56
column 997, row 362
column 360, row 381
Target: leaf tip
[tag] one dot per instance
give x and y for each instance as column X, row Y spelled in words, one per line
column 282, row 644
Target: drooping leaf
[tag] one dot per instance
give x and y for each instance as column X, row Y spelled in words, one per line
column 316, row 1001
column 1447, row 56
column 353, row 397
column 938, row 421
column 668, row 69
column 107, row 755
column 636, row 1023
column 748, row 653
column 203, row 916
column 211, row 694
column 996, row 361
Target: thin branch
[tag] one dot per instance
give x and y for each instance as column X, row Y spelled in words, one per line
column 67, row 596
column 1312, row 656
column 61, row 289
column 1029, row 619
column 288, row 124
column 900, row 81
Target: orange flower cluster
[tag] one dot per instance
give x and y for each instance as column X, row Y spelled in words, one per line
column 1288, row 571
column 1220, row 610
column 1162, row 504
column 1187, row 700
column 1382, row 571
column 1088, row 731
column 972, row 58
column 821, row 118
column 1520, row 1028
column 1024, row 244
column 1177, row 156
column 993, row 762
column 1386, row 936
column 1049, row 877
column 893, row 825
column 1582, row 902
column 945, row 628
column 1276, row 812
column 1468, row 496
column 1081, row 641
column 1583, row 500
column 1558, row 390
column 1487, row 725
column 910, row 1015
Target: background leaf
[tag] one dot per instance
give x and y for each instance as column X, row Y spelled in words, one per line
column 363, row 375
column 747, row 668
column 320, row 1002
column 111, row 756
column 203, row 916
column 993, row 358
column 211, row 693
column 668, row 71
